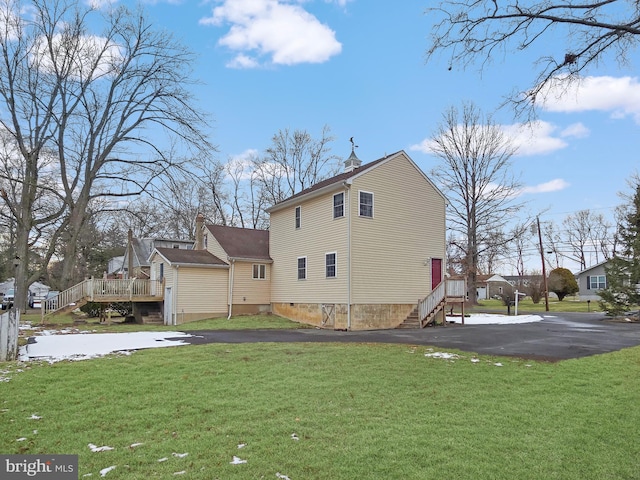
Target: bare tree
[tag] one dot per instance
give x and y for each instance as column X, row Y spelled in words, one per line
column 293, row 162
column 94, row 101
column 475, row 173
column 586, row 233
column 584, row 34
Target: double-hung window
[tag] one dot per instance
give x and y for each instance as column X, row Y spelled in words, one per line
column 298, row 216
column 597, row 282
column 338, row 205
column 259, row 271
column 302, row 268
column 366, row 204
column 331, row 266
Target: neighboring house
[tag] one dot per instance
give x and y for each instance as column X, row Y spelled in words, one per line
column 135, row 263
column 357, row 251
column 229, row 272
column 115, row 267
column 591, row 281
column 492, row 286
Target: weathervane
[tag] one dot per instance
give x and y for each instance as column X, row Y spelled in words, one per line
column 353, row 145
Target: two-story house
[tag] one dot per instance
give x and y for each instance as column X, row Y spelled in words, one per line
column 357, row 251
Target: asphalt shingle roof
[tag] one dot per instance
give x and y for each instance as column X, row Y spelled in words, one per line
column 190, row 257
column 242, row 242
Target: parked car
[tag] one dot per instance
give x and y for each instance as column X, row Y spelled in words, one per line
column 7, row 300
column 52, row 300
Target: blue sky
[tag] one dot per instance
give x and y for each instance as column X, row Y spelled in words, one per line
column 359, row 67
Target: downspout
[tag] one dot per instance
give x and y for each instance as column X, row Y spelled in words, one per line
column 175, row 298
column 347, row 184
column 233, row 263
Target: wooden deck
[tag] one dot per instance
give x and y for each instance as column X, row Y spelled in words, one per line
column 105, row 291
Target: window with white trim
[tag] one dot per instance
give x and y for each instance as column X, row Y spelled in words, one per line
column 302, row 268
column 298, row 216
column 259, row 271
column 338, row 205
column 365, row 204
column 597, row 282
column 331, row 264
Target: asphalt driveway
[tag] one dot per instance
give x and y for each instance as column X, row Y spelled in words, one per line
column 556, row 337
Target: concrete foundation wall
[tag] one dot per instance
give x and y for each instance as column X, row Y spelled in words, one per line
column 335, row 316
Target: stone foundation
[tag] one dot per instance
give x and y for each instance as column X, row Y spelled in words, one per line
column 334, row 316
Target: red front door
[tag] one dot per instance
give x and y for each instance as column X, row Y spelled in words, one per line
column 436, row 272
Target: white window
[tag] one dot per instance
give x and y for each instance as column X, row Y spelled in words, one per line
column 259, row 271
column 331, row 264
column 302, row 268
column 597, row 282
column 366, row 204
column 298, row 215
column 338, row 205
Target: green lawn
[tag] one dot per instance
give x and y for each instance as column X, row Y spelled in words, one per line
column 358, row 412
column 569, row 304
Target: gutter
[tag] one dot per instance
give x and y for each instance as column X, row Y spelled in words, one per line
column 175, row 297
column 347, row 185
column 233, row 269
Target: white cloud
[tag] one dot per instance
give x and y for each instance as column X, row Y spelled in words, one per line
column 618, row 95
column 576, row 130
column 285, row 32
column 554, row 185
column 535, row 138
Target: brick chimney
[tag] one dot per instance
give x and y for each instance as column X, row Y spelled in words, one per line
column 199, row 232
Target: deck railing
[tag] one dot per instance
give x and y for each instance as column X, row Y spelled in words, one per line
column 103, row 290
column 446, row 289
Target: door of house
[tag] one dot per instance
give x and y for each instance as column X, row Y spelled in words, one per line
column 328, row 314
column 436, row 272
column 168, row 306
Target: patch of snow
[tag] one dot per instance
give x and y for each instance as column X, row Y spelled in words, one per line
column 282, row 477
column 81, row 347
column 242, row 445
column 163, row 459
column 498, row 364
column 444, row 355
column 95, row 448
column 34, row 417
column 179, row 455
column 21, row 439
column 134, row 445
column 475, row 360
column 294, row 437
column 495, row 319
column 104, row 471
column 237, row 461
column 182, row 472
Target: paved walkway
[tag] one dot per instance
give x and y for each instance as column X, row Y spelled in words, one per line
column 557, row 336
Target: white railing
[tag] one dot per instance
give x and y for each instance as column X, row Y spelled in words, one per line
column 101, row 290
column 446, row 289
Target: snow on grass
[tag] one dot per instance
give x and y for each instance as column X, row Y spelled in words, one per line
column 54, row 348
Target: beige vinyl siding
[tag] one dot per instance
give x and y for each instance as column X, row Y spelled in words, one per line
column 201, row 290
column 214, row 247
column 389, row 251
column 319, row 234
column 248, row 291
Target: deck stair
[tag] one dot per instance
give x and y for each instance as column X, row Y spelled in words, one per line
column 425, row 313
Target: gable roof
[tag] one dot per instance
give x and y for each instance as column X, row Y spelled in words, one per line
column 180, row 256
column 242, row 243
column 337, row 181
column 143, row 247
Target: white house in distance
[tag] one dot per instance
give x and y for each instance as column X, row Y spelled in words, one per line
column 356, row 251
column 591, row 280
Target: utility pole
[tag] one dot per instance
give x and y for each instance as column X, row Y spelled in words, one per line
column 544, row 270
